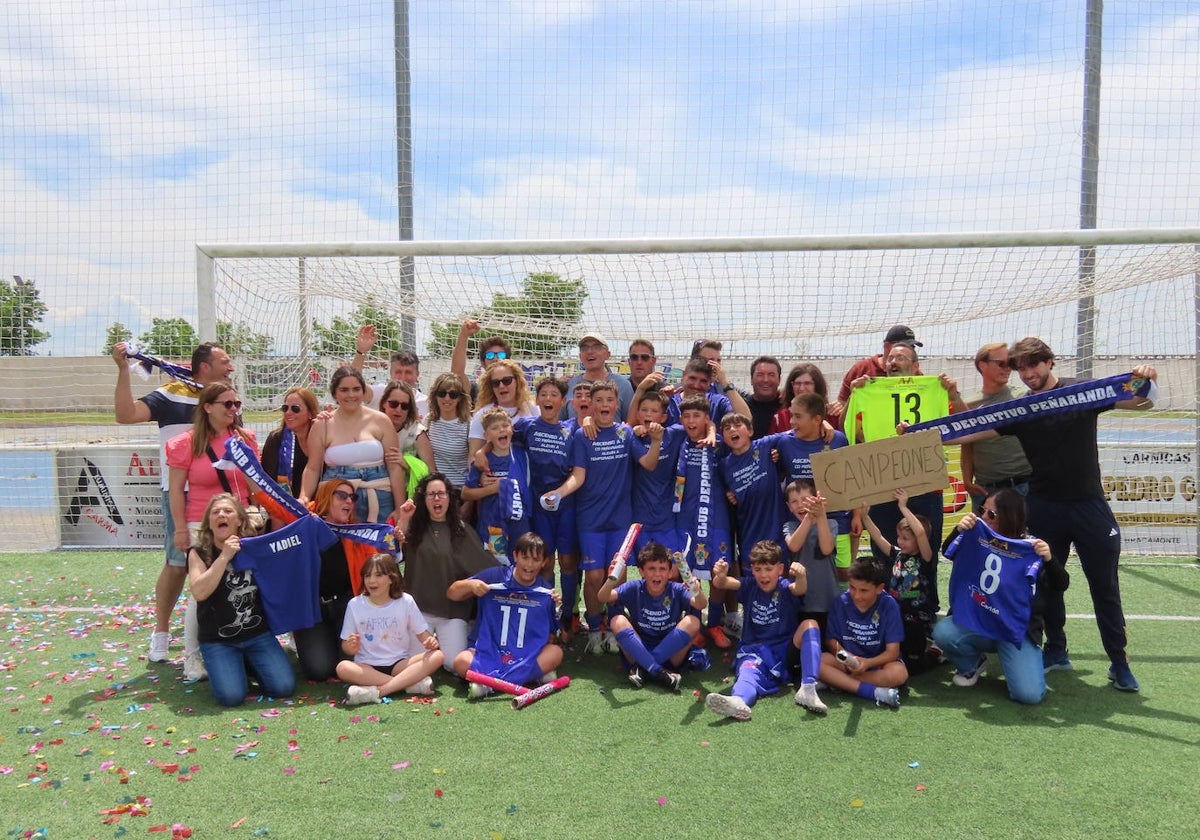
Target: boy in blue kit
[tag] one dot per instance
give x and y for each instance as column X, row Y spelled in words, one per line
column 862, row 643
column 658, row 618
column 602, row 473
column 502, row 490
column 513, row 637
column 752, row 483
column 700, row 508
column 697, row 382
column 810, row 433
column 547, row 440
column 912, row 581
column 654, row 490
column 771, row 607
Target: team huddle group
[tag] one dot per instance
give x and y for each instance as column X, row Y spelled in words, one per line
column 486, row 487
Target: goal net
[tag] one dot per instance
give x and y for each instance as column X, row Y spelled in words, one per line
column 1104, row 301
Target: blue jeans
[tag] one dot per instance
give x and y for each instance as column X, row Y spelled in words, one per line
column 226, row 665
column 1022, row 665
column 387, row 502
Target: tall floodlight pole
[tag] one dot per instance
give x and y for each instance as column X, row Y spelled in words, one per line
column 1085, row 318
column 404, row 170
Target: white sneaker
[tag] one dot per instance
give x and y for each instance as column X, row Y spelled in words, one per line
column 193, row 667
column 595, row 642
column 966, row 679
column 608, row 643
column 733, row 624
column 887, row 697
column 159, row 645
column 357, row 695
column 807, row 697
column 421, row 686
column 477, row 691
column 726, row 705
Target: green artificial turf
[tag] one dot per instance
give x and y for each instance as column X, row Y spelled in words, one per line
column 89, row 726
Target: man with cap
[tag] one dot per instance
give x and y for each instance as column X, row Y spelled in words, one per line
column 875, row 365
column 593, row 358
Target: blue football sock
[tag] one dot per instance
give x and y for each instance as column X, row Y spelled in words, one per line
column 570, row 593
column 810, row 655
column 674, row 642
column 746, row 685
column 866, row 690
column 716, row 613
column 593, row 622
column 633, row 647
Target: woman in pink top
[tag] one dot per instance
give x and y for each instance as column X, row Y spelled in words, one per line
column 193, row 478
column 194, row 481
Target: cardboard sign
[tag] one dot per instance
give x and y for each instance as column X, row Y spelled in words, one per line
column 867, row 473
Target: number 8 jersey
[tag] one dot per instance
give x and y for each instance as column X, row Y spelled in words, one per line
column 514, row 624
column 993, row 583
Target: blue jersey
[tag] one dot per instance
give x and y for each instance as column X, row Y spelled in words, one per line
column 514, row 623
column 992, row 583
column 768, row 621
column 754, row 481
column 501, row 519
column 865, row 633
column 605, row 499
column 794, row 463
column 287, row 567
column 547, row 445
column 653, row 618
column 654, row 490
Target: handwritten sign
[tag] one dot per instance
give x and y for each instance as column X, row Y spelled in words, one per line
column 854, row 476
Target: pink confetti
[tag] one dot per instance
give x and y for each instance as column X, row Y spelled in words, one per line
column 289, row 771
column 662, row 800
column 401, row 766
column 366, row 752
column 270, row 713
column 4, row 771
column 356, row 719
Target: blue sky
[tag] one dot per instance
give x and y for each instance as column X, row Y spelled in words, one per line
column 130, row 131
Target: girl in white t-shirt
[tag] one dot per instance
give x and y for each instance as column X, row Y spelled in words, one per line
column 391, row 644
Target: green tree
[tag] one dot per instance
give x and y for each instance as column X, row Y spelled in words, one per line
column 238, row 339
column 117, row 332
column 548, row 312
column 20, row 308
column 170, row 337
column 337, row 339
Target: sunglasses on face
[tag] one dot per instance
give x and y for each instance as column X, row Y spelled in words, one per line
column 230, row 405
column 640, row 357
column 398, row 404
column 295, row 409
column 1000, row 363
column 491, row 355
column 443, row 393
column 503, row 382
column 990, row 514
column 343, row 496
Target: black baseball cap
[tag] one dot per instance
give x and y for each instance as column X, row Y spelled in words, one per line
column 902, row 334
